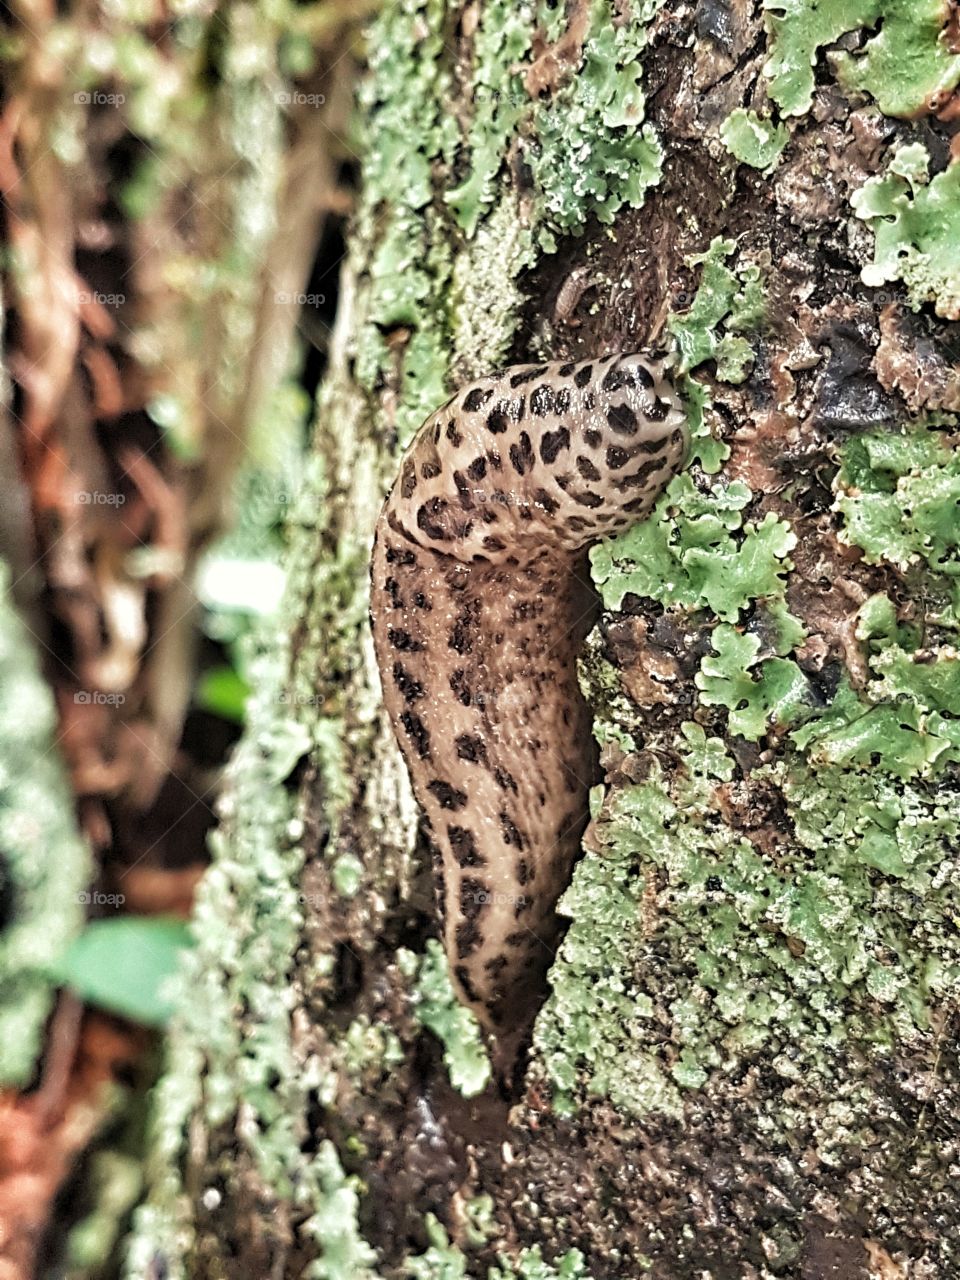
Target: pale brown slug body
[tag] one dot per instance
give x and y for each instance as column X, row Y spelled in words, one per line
column 480, row 601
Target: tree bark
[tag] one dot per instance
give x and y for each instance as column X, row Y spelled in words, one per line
column 745, row 1064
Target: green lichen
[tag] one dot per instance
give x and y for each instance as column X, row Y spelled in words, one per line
column 705, row 450
column 609, row 1028
column 774, row 692
column 480, row 1225
column 910, row 65
column 916, row 223
column 753, row 140
column 44, row 865
column 441, row 1260
column 715, row 947
column 344, row 1254
column 530, row 1265
column 594, row 154
column 832, row 936
column 904, row 721
column 486, row 293
column 907, row 66
column 368, row 1046
column 897, row 492
column 347, row 875
column 731, row 299
column 406, row 132
column 696, row 552
column 587, row 149
column 437, row 1008
column 499, row 102
column 248, row 918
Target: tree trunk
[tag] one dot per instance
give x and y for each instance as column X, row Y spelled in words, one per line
column 745, row 1063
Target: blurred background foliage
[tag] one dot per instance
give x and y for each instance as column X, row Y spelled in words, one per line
column 175, row 178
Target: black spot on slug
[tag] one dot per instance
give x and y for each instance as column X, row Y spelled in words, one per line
column 464, row 846
column 622, row 419
column 410, row 688
column 460, row 688
column 469, row 747
column 505, row 780
column 447, row 796
column 510, row 831
column 462, row 975
column 543, row 499
column 408, row 479
column 583, row 375
column 474, row 896
column 615, row 378
column 541, row 400
column 561, row 401
column 417, row 733
column 404, row 641
column 427, row 518
column 476, row 398
column 527, row 375
column 521, row 454
column 552, row 442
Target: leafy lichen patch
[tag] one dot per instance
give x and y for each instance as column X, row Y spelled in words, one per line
column 436, row 1007
column 897, row 493
column 907, row 66
column 916, row 224
column 752, row 139
column 595, row 155
column 729, row 300
column 696, row 552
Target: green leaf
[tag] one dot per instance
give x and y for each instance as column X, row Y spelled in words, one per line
column 121, row 965
column 223, row 692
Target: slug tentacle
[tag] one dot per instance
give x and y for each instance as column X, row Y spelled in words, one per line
column 480, row 601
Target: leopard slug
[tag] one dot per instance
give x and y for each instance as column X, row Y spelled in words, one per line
column 480, row 601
